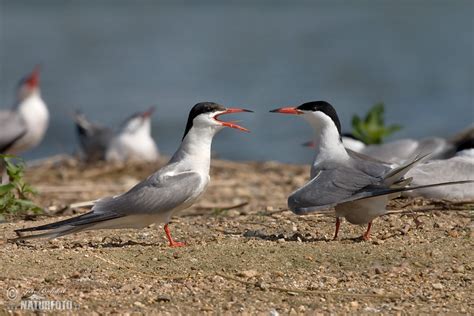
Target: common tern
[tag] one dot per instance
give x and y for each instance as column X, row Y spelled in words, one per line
column 174, row 187
column 93, row 138
column 358, row 186
column 24, row 126
column 133, row 141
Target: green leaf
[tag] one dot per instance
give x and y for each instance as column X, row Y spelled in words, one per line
column 14, row 196
column 6, row 188
column 372, row 129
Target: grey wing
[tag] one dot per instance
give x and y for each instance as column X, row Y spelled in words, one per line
column 154, row 196
column 93, row 138
column 329, row 187
column 12, row 128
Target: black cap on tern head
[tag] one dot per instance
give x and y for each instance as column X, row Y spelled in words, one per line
column 324, row 107
column 200, row 108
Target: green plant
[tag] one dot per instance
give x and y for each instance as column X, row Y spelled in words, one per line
column 372, row 129
column 15, row 195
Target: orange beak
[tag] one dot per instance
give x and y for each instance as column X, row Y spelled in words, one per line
column 33, row 79
column 232, row 124
column 148, row 112
column 310, row 144
column 288, row 110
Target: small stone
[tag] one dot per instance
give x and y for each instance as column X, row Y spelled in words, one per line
column 354, row 304
column 139, row 304
column 437, row 286
column 459, row 269
column 233, row 213
column 248, row 274
column 379, row 291
column 453, row 233
column 75, row 275
column 163, row 298
column 378, row 270
column 262, row 286
column 273, row 312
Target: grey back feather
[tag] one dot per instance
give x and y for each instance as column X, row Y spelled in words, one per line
column 12, row 128
column 157, row 194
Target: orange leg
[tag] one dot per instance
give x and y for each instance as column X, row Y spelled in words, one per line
column 366, row 235
column 170, row 239
column 338, row 224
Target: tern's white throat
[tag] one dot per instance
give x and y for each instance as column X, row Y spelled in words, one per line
column 195, row 149
column 327, row 140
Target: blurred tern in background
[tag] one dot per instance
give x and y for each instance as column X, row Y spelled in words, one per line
column 459, row 167
column 174, row 187
column 131, row 142
column 358, row 186
column 24, row 126
column 398, row 151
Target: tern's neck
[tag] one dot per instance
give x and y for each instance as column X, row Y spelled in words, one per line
column 144, row 131
column 33, row 109
column 327, row 141
column 195, row 149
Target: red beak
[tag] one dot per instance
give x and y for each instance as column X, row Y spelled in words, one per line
column 288, row 110
column 148, row 112
column 232, row 124
column 33, row 79
column 310, row 144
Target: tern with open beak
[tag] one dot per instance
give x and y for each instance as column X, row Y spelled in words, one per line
column 24, row 126
column 174, row 187
column 358, row 186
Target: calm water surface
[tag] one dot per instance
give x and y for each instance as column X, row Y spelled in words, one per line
column 111, row 58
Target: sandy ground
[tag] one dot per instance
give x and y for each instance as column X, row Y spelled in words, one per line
column 256, row 258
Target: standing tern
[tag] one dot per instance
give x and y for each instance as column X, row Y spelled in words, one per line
column 133, row 142
column 24, row 126
column 174, row 187
column 358, row 186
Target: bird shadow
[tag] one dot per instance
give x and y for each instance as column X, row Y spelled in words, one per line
column 105, row 243
column 112, row 243
column 260, row 234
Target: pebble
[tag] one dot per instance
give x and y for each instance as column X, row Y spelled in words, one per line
column 233, row 213
column 139, row 304
column 437, row 286
column 163, row 298
column 248, row 274
column 379, row 291
column 273, row 312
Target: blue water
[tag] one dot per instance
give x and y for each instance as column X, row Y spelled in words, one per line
column 111, row 58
